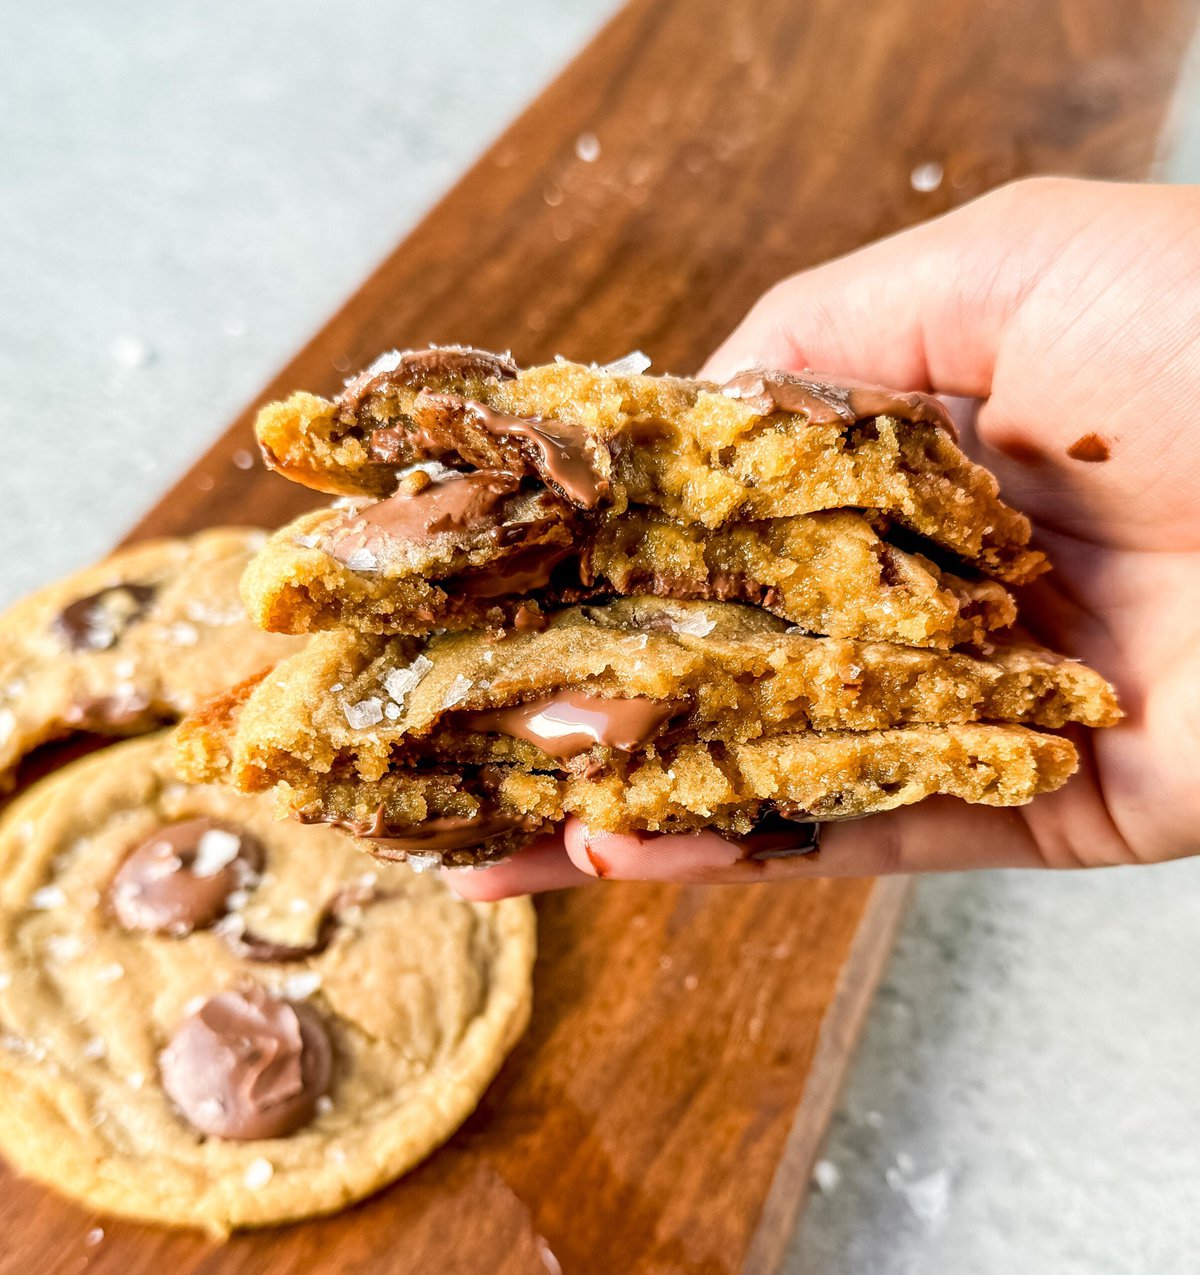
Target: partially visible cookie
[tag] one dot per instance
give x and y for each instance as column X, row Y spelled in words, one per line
column 764, row 445
column 477, row 814
column 129, row 644
column 674, row 673
column 641, row 714
column 382, row 569
column 209, row 1017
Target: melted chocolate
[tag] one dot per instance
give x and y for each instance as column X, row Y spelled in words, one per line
column 781, row 839
column 178, row 879
column 564, row 455
column 828, row 400
column 521, row 572
column 528, row 620
column 96, row 622
column 247, row 1065
column 414, row 368
column 450, row 504
column 570, row 723
column 433, row 836
column 257, row 947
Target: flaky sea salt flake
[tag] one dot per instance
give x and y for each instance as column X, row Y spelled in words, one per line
column 362, row 560
column 258, row 1173
column 633, row 364
column 47, row 897
column 400, row 681
column 215, row 850
column 926, row 177
column 298, row 987
column 695, row 624
column 458, row 691
column 929, row 1197
column 367, row 712
column 587, row 147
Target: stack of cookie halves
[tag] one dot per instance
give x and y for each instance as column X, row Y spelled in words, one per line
column 658, row 604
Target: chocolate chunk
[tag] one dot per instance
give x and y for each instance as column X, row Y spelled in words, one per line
column 827, row 400
column 180, row 878
column 570, row 723
column 778, row 837
column 96, row 622
column 433, row 836
column 562, row 454
column 521, row 572
column 247, row 1065
column 461, row 503
column 414, row 368
column 256, row 947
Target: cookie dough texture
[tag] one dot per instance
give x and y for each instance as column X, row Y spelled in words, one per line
column 698, row 451
column 129, row 644
column 479, row 490
column 755, row 720
column 829, row 572
column 422, row 996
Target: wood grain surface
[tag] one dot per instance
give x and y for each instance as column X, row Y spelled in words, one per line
column 663, row 1112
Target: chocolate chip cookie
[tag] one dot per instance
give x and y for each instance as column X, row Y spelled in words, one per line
column 211, row 1018
column 644, row 713
column 483, row 492
column 403, row 565
column 129, row 644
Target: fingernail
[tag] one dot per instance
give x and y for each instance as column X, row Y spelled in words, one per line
column 806, row 839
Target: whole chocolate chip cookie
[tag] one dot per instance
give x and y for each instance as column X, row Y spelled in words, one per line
column 209, row 1017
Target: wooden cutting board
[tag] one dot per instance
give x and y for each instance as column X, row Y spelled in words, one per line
column 664, row 1110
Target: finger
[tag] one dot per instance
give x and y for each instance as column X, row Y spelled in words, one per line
column 542, row 865
column 926, row 308
column 923, row 309
column 939, row 835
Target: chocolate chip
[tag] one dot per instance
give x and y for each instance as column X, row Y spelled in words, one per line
column 247, row 1065
column 180, row 878
column 96, row 622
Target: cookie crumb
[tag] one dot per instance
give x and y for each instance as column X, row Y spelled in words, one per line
column 1091, row 448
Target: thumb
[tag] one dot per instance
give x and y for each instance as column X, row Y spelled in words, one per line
column 924, row 309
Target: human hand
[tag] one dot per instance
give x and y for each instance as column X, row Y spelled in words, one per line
column 1073, row 309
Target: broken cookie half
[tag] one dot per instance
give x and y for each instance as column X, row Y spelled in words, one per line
column 481, row 493
column 640, row 714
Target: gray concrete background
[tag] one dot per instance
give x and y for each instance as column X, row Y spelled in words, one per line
column 189, row 190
